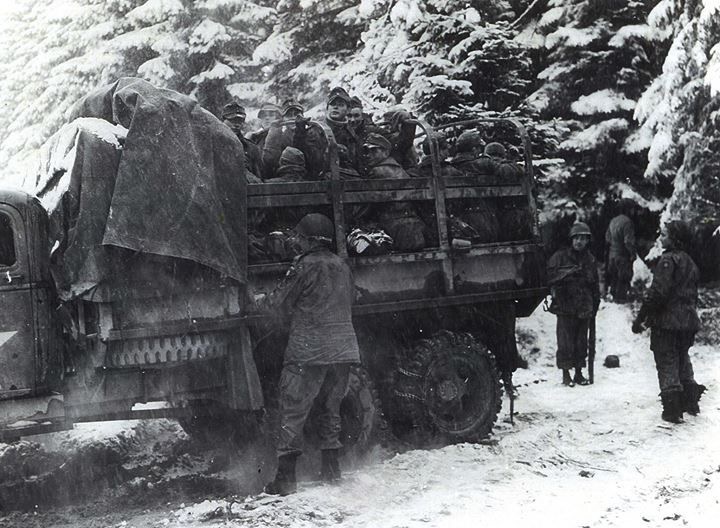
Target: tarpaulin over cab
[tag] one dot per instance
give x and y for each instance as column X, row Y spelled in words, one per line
column 172, row 187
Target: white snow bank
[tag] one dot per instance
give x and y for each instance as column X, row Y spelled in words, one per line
column 584, row 456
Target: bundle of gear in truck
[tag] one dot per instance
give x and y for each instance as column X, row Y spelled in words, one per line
column 130, row 279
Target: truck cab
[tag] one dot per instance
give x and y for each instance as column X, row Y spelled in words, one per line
column 29, row 349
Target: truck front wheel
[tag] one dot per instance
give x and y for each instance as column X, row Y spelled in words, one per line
column 448, row 389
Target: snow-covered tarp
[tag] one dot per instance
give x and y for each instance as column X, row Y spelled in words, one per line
column 142, row 171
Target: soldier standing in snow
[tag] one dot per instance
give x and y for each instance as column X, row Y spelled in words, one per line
column 669, row 306
column 620, row 239
column 317, row 295
column 575, row 286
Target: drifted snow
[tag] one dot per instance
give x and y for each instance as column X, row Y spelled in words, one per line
column 585, row 456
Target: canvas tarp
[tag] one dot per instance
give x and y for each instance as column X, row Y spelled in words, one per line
column 170, row 186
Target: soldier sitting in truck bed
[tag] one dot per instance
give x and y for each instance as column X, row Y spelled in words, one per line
column 312, row 142
column 397, row 219
column 478, row 213
column 279, row 137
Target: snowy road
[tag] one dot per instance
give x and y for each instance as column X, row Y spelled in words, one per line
column 583, row 456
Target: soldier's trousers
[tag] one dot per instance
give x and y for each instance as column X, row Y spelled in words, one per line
column 670, row 348
column 301, row 386
column 572, row 341
column 619, row 274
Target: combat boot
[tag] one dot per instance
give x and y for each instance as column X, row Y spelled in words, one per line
column 692, row 392
column 672, row 406
column 329, row 465
column 579, row 378
column 284, row 482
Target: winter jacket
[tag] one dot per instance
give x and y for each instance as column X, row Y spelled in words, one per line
column 468, row 164
column 672, row 297
column 317, row 295
column 620, row 237
column 278, row 137
column 253, row 161
column 424, row 169
column 312, row 142
column 389, row 169
column 575, row 283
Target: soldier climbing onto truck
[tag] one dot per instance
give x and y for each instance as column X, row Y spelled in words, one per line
column 317, row 295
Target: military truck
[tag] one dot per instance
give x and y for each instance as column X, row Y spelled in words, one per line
column 180, row 334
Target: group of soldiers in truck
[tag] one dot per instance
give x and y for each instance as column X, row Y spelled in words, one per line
column 288, row 149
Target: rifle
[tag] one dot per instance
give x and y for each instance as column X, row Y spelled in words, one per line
column 591, row 351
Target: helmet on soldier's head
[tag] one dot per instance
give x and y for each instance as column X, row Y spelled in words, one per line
column 495, row 150
column 233, row 109
column 338, row 93
column 439, row 137
column 315, row 225
column 292, row 156
column 468, row 140
column 374, row 141
column 292, row 105
column 580, row 228
column 355, row 102
column 680, row 233
column 268, row 109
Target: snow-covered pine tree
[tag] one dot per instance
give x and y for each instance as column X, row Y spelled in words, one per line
column 598, row 56
column 442, row 59
column 53, row 54
column 680, row 111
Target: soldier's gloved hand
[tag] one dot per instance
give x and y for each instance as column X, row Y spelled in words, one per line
column 637, row 326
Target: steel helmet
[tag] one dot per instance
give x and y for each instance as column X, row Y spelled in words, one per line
column 580, row 228
column 315, row 225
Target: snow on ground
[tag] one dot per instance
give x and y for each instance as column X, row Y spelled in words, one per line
column 582, row 456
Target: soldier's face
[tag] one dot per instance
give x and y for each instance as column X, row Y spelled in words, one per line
column 337, row 109
column 376, row 154
column 580, row 242
column 235, row 123
column 268, row 118
column 291, row 113
column 355, row 116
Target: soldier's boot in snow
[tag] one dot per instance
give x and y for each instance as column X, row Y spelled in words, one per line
column 579, row 378
column 284, row 482
column 567, row 380
column 672, row 402
column 329, row 465
column 692, row 392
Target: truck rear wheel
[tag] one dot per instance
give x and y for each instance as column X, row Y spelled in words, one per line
column 448, row 388
column 361, row 417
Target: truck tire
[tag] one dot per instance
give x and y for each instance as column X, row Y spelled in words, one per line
column 362, row 422
column 448, row 389
column 216, row 425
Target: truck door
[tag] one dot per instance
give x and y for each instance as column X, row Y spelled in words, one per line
column 17, row 332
